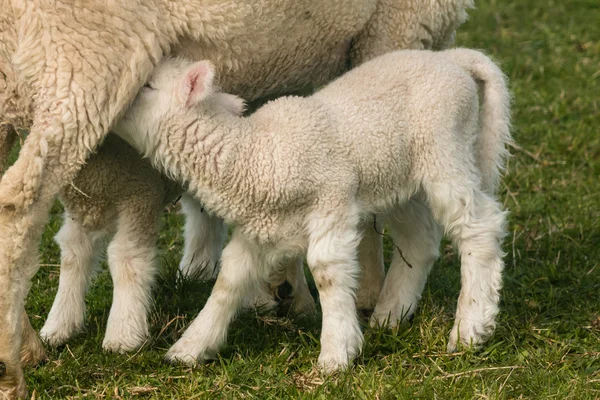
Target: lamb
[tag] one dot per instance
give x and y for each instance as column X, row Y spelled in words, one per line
column 303, row 174
column 78, row 65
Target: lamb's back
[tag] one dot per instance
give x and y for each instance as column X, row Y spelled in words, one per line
column 389, row 112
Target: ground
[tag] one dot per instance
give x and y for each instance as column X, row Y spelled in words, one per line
column 547, row 344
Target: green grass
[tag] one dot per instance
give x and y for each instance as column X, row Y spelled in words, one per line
column 547, row 344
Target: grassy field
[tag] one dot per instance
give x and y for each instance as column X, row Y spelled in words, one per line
column 547, row 344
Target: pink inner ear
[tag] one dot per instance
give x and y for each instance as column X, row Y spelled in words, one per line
column 197, row 83
column 194, row 85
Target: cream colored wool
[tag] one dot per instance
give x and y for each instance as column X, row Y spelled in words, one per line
column 302, row 174
column 81, row 63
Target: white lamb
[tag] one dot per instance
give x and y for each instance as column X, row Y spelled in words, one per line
column 303, row 174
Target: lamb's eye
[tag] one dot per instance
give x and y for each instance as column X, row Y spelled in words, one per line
column 148, row 85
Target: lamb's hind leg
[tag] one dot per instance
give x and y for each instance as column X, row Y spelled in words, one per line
column 418, row 236
column 475, row 223
column 132, row 259
column 80, row 253
column 204, row 236
column 332, row 259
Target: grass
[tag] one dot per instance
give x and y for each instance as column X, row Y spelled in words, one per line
column 547, row 344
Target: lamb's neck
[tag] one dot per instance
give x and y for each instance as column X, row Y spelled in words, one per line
column 202, row 152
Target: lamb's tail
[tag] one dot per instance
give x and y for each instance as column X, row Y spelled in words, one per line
column 491, row 146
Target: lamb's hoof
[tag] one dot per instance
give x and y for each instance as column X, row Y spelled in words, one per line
column 180, row 353
column 199, row 267
column 330, row 363
column 123, row 343
column 468, row 335
column 56, row 337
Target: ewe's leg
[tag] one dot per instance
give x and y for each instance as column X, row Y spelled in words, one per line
column 80, row 252
column 19, row 237
column 76, row 107
column 418, row 236
column 475, row 223
column 132, row 259
column 370, row 257
column 32, row 349
column 239, row 275
column 204, row 236
column 332, row 259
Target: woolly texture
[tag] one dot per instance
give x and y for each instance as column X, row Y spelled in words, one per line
column 301, row 174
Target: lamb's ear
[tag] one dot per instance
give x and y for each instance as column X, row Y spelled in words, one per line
column 197, row 83
column 231, row 103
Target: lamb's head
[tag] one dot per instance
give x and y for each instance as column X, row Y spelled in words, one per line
column 178, row 90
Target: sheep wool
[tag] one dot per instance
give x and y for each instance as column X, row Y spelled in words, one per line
column 303, row 174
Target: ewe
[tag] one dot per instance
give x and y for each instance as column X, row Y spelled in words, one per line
column 78, row 64
column 304, row 174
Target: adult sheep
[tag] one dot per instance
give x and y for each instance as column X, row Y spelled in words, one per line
column 82, row 62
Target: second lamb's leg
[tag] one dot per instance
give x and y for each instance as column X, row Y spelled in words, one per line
column 204, row 236
column 132, row 259
column 80, row 251
column 418, row 236
column 332, row 259
column 370, row 257
column 239, row 275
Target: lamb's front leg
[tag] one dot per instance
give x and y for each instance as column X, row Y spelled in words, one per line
column 205, row 336
column 132, row 260
column 332, row 259
column 79, row 254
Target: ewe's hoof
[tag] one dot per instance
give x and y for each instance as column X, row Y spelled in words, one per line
column 12, row 387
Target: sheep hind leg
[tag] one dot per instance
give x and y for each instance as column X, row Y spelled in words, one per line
column 80, row 253
column 418, row 236
column 239, row 275
column 475, row 224
column 204, row 236
column 370, row 258
column 332, row 259
column 132, row 259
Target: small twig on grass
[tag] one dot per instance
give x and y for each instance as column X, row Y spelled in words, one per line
column 473, row 371
column 164, row 328
column 72, row 355
column 392, row 240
